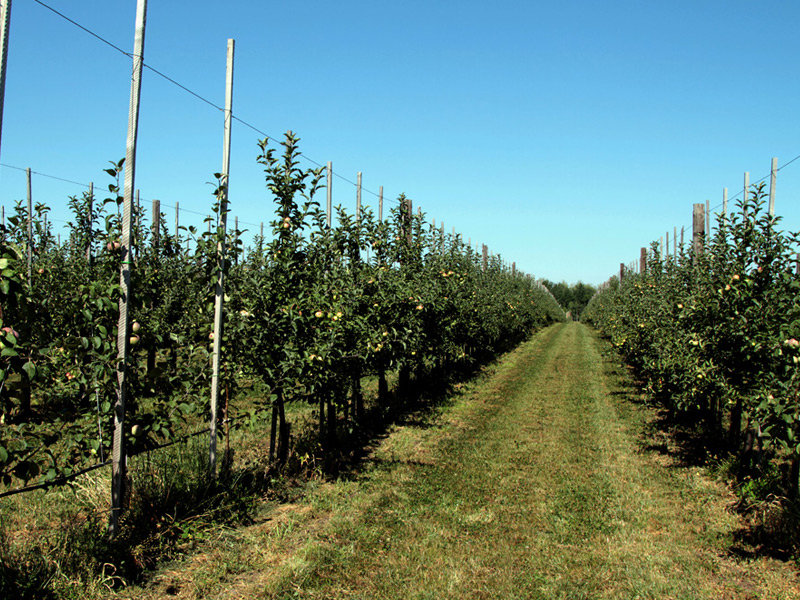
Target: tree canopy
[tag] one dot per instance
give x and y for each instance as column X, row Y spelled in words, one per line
column 572, row 298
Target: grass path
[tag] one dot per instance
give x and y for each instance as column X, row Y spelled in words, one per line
column 533, row 484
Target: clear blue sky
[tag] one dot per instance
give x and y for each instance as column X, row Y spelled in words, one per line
column 564, row 136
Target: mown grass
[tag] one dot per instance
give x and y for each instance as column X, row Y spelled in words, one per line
column 53, row 543
column 534, row 482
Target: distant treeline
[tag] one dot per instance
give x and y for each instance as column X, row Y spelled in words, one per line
column 572, row 298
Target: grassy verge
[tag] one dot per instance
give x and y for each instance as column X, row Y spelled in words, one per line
column 535, row 482
column 53, row 543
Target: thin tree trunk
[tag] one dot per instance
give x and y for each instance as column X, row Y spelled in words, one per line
column 322, row 421
column 404, row 382
column 383, row 388
column 358, row 397
column 735, row 428
column 331, row 436
column 273, row 431
column 24, row 399
column 151, row 359
column 283, row 440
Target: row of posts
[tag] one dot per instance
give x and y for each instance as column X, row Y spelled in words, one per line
column 701, row 224
column 119, row 460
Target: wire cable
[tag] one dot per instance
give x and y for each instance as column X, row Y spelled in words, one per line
column 44, row 175
column 254, row 128
column 189, row 90
column 79, row 26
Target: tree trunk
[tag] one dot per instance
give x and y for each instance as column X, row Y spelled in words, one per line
column 24, row 398
column 151, row 359
column 322, row 421
column 404, row 382
column 331, row 436
column 383, row 388
column 735, row 428
column 358, row 397
column 283, row 440
column 273, row 431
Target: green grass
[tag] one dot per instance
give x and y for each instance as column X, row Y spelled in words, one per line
column 534, row 482
column 53, row 543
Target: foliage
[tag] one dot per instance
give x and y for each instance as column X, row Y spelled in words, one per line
column 573, row 298
column 308, row 313
column 714, row 335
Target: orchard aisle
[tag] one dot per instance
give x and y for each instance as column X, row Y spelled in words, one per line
column 534, row 483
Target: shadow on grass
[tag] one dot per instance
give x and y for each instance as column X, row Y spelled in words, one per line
column 770, row 520
column 429, row 393
column 174, row 503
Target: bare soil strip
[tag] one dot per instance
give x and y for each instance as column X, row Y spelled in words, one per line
column 534, row 483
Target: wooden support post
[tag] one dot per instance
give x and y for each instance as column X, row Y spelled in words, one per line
column 708, row 221
column 138, row 215
column 90, row 239
column 621, row 271
column 485, row 258
column 119, row 459
column 177, row 224
column 358, row 198
column 643, row 261
column 698, row 228
column 666, row 248
column 380, row 204
column 675, row 243
column 773, row 174
column 156, row 222
column 409, row 221
column 221, row 251
column 329, row 192
column 30, row 228
column 5, row 26
column 725, row 202
column 746, row 190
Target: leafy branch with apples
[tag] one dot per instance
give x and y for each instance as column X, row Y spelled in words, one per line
column 310, row 312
